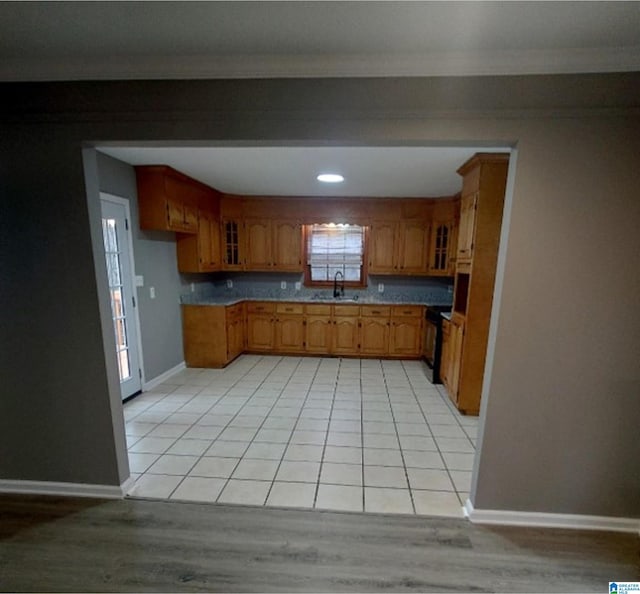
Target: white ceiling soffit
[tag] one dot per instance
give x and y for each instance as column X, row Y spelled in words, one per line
column 292, row 171
column 161, row 40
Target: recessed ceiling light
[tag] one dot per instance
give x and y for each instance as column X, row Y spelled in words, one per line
column 330, row 178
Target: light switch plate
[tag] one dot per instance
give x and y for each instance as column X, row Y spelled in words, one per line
column 283, row 284
column 380, row 287
column 139, row 280
column 298, row 286
column 193, row 287
column 229, row 284
column 152, row 292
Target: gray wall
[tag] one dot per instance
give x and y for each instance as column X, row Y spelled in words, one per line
column 561, row 401
column 155, row 259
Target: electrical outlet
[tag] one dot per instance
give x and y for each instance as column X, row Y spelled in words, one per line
column 380, row 287
column 152, row 292
column 283, row 284
column 193, row 287
column 229, row 284
column 450, row 289
column 298, row 286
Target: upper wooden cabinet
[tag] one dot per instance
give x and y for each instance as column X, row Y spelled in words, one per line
column 167, row 199
column 400, row 247
column 258, row 244
column 466, row 231
column 232, row 244
column 262, row 245
column 201, row 252
column 287, row 246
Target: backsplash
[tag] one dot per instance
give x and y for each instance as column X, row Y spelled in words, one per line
column 267, row 285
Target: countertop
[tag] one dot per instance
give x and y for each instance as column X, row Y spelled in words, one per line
column 362, row 301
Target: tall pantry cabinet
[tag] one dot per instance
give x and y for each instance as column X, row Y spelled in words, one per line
column 465, row 337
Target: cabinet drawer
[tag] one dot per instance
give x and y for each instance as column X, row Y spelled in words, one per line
column 407, row 311
column 318, row 309
column 289, row 308
column 234, row 311
column 260, row 307
column 346, row 310
column 378, row 311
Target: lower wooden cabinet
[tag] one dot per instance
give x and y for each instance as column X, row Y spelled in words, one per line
column 318, row 329
column 345, row 335
column 215, row 335
column 289, row 328
column 451, row 360
column 374, row 330
column 406, row 331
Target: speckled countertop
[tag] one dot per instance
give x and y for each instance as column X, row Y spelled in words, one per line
column 220, row 300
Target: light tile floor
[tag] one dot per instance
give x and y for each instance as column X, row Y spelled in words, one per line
column 340, row 434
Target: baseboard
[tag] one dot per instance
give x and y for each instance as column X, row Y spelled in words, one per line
column 163, row 377
column 546, row 520
column 66, row 489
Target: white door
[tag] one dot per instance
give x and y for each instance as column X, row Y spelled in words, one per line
column 117, row 249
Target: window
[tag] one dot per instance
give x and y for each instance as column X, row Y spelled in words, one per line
column 332, row 248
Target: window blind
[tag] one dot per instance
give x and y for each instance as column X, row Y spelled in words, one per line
column 332, row 248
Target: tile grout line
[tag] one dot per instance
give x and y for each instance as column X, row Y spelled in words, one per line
column 227, row 425
column 288, row 443
column 326, row 436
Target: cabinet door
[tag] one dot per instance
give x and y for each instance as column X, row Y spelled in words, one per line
column 440, row 248
column 445, row 357
column 345, row 336
column 289, row 334
column 287, row 246
column 466, row 230
column 406, row 337
column 413, row 247
column 232, row 245
column 258, row 241
column 259, row 332
column 318, row 332
column 382, row 248
column 374, row 336
column 456, row 346
column 208, row 242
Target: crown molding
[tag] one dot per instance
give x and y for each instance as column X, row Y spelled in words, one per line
column 487, row 63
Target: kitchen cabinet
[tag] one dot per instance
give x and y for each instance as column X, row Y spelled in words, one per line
column 260, row 326
column 167, row 199
column 466, row 231
column 258, row 244
column 399, row 247
column 287, row 246
column 201, row 252
column 442, row 248
column 345, row 333
column 318, row 328
column 213, row 335
column 413, row 247
column 235, row 321
column 374, row 330
column 273, row 245
column 406, row 330
column 232, row 244
column 289, row 328
column 481, row 206
column 382, row 247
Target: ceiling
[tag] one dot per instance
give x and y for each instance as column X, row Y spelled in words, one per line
column 292, row 171
column 126, row 40
column 164, row 40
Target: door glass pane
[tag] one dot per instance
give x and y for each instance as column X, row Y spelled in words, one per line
column 118, row 310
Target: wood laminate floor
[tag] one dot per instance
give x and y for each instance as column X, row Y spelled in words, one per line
column 72, row 545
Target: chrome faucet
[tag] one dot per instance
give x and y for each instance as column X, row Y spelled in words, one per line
column 337, row 293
